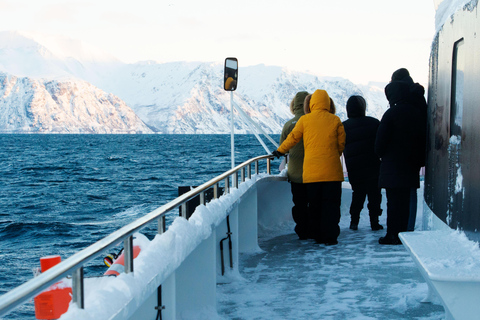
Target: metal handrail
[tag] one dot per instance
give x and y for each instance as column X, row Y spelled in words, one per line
column 74, row 265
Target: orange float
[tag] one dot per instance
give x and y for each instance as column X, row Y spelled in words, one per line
column 54, row 301
column 118, row 265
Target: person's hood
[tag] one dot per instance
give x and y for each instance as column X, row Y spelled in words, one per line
column 402, row 74
column 320, row 101
column 297, row 106
column 356, row 107
column 397, row 91
column 417, row 89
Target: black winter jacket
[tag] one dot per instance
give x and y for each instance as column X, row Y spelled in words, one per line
column 400, row 141
column 361, row 160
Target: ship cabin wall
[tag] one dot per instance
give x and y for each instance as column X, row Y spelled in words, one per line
column 452, row 178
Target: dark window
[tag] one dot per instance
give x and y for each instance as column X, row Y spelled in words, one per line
column 458, row 72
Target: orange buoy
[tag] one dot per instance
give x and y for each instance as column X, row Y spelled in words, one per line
column 118, row 265
column 54, row 301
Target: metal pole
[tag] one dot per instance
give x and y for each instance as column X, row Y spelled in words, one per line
column 227, row 185
column 128, row 254
column 183, row 210
column 78, row 296
column 232, row 139
column 235, row 180
column 161, row 224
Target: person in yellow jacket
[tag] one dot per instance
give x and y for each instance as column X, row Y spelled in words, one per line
column 323, row 140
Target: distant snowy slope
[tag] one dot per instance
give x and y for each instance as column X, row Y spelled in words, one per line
column 176, row 97
column 182, row 97
column 35, row 106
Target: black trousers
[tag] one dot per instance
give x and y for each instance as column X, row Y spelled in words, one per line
column 360, row 192
column 300, row 209
column 324, row 199
column 398, row 210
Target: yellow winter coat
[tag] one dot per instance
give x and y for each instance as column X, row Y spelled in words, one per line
column 323, row 140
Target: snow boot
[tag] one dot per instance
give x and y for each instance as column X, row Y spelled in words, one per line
column 374, row 221
column 375, row 225
column 390, row 239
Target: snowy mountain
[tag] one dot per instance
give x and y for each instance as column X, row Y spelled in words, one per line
column 177, row 97
column 50, row 106
column 185, row 97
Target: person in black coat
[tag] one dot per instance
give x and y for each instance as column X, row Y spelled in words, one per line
column 362, row 163
column 417, row 97
column 400, row 144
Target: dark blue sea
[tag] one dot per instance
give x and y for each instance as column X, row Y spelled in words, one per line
column 61, row 193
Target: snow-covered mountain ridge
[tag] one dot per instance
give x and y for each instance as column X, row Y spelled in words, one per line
column 176, row 97
column 36, row 106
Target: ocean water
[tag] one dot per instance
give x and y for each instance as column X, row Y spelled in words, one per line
column 61, row 193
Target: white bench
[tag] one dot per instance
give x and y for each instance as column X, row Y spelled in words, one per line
column 450, row 264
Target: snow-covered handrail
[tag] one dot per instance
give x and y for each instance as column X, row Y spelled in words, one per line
column 74, row 264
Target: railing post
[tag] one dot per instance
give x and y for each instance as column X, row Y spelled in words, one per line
column 268, row 165
column 227, row 185
column 256, row 167
column 183, row 210
column 215, row 191
column 161, row 224
column 128, row 254
column 249, row 171
column 77, row 288
column 242, row 173
column 235, row 180
column 202, row 197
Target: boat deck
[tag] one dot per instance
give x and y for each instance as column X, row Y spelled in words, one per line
column 356, row 279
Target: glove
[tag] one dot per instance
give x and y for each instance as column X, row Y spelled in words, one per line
column 277, row 154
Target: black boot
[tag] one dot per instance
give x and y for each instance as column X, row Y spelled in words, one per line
column 390, row 239
column 374, row 222
column 354, row 219
column 375, row 225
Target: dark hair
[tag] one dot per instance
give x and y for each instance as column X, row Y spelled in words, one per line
column 306, row 104
column 332, row 107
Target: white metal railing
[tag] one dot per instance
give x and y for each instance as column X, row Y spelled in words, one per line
column 74, row 265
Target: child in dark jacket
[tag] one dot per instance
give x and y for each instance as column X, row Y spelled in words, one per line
column 362, row 163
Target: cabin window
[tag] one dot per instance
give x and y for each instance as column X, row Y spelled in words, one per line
column 458, row 72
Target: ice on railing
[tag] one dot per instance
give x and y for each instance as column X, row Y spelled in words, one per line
column 157, row 260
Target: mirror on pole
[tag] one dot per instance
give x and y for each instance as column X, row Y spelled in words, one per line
column 230, row 74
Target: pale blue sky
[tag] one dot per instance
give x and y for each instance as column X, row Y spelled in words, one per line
column 358, row 40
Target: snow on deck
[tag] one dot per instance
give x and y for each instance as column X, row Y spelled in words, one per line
column 356, row 279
